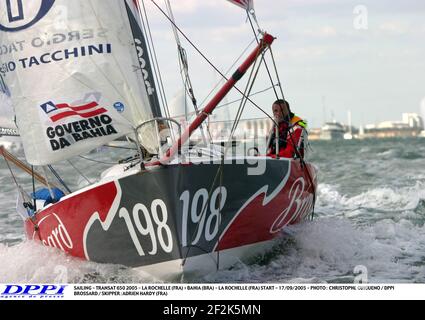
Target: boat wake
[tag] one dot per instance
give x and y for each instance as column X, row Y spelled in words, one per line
column 30, row 262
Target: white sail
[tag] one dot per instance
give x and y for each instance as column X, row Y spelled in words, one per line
column 74, row 75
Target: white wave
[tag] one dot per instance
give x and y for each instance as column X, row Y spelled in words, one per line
column 30, row 262
column 388, row 249
column 384, row 198
column 332, row 249
column 389, row 154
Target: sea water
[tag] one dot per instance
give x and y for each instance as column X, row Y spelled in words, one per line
column 370, row 216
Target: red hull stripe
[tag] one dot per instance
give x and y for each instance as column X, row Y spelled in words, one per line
column 86, row 115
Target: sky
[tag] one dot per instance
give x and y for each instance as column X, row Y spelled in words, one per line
column 332, row 56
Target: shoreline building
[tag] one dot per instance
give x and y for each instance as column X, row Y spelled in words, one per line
column 411, row 126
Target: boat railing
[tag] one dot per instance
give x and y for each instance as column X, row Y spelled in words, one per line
column 158, row 129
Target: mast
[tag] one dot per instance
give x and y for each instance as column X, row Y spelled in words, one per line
column 262, row 46
column 144, row 59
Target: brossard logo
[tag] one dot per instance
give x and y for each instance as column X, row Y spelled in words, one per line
column 16, row 17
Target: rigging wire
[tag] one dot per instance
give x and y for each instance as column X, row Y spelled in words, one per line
column 184, row 72
column 48, row 183
column 265, row 62
column 55, row 173
column 96, row 161
column 206, row 59
column 152, row 51
column 80, row 173
column 230, row 69
column 183, row 62
column 250, row 85
column 277, row 73
column 251, row 95
column 33, row 189
column 238, row 100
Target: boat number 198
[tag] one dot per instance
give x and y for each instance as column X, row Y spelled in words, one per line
column 203, row 212
column 155, row 226
column 152, row 222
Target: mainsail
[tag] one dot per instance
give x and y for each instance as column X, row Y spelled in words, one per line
column 246, row 4
column 75, row 75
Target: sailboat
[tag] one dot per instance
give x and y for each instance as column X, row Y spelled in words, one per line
column 80, row 76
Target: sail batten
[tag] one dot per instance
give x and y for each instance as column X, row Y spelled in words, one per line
column 74, row 77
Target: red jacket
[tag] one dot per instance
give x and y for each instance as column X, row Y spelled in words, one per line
column 289, row 141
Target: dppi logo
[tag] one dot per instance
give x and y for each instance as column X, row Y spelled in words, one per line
column 33, row 290
column 16, row 14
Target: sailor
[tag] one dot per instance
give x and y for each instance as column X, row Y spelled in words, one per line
column 164, row 133
column 292, row 132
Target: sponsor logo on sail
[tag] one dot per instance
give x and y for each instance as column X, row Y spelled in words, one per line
column 16, row 17
column 119, row 106
column 57, row 112
column 96, row 123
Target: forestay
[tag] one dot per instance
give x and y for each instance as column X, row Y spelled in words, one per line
column 75, row 75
